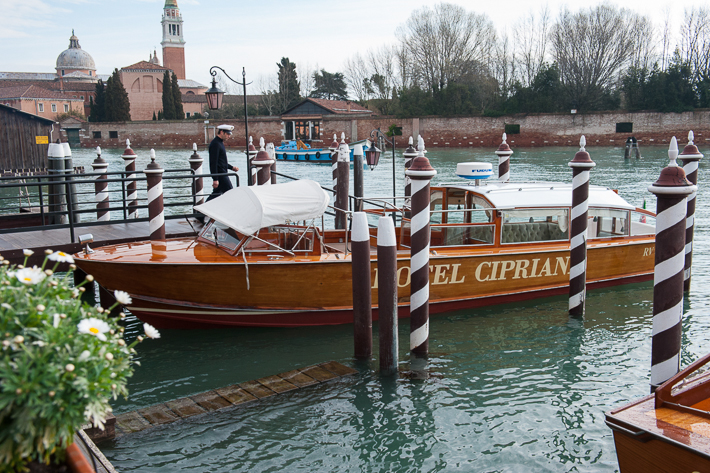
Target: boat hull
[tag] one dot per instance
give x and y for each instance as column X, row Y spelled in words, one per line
column 203, row 292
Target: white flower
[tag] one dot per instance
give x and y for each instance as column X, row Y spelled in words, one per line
column 61, row 257
column 19, row 339
column 69, row 367
column 94, row 326
column 30, row 276
column 5, row 305
column 122, row 297
column 55, row 322
column 150, row 331
column 28, row 252
column 84, row 355
column 109, row 356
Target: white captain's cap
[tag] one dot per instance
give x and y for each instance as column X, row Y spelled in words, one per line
column 226, row 128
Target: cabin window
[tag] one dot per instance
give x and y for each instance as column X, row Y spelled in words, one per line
column 534, row 225
column 642, row 224
column 461, row 235
column 221, row 235
column 436, row 206
column 607, row 223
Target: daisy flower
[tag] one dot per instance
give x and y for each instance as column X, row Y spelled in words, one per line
column 94, row 326
column 28, row 252
column 122, row 297
column 61, row 257
column 30, row 276
column 150, row 331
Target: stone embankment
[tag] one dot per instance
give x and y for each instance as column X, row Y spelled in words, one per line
column 601, row 129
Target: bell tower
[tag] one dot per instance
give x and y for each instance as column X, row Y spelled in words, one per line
column 173, row 42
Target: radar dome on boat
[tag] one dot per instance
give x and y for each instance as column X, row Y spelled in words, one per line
column 474, row 170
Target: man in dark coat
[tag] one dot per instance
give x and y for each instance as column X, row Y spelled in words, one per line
column 218, row 161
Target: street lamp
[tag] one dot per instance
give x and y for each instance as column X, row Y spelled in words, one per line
column 214, row 102
column 372, row 156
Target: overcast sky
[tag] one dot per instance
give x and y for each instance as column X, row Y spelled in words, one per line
column 236, row 34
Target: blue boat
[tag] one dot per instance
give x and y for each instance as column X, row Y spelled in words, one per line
column 296, row 150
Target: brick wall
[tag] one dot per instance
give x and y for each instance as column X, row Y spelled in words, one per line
column 535, row 130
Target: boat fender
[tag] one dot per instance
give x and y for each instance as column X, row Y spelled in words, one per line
column 317, row 154
column 308, row 157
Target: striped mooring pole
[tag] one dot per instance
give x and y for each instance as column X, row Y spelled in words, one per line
column 581, row 165
column 263, row 163
column 690, row 157
column 409, row 154
column 343, row 188
column 101, row 188
column 504, row 153
column 129, row 157
column 334, row 161
column 387, row 295
column 57, row 199
column 421, row 174
column 156, row 217
column 272, row 154
column 252, row 169
column 197, row 184
column 671, row 190
column 362, row 282
column 72, row 198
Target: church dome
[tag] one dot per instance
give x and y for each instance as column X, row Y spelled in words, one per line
column 75, row 58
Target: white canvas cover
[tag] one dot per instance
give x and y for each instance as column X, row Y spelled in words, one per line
column 248, row 209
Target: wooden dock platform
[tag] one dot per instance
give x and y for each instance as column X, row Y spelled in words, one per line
column 234, row 395
column 12, row 244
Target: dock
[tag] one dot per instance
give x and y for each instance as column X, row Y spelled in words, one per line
column 234, row 395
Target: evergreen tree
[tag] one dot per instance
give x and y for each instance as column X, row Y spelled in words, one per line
column 117, row 105
column 289, row 88
column 154, row 117
column 160, row 115
column 329, row 86
column 98, row 106
column 177, row 99
column 168, row 99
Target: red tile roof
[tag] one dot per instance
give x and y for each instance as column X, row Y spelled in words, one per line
column 33, row 92
column 145, row 65
column 340, row 106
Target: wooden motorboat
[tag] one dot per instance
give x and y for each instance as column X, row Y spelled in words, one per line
column 296, row 150
column 669, row 430
column 251, row 265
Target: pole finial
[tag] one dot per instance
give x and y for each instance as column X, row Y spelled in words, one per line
column 98, row 150
column 673, row 152
column 261, row 143
column 194, row 147
column 128, row 143
column 152, row 154
column 582, row 143
column 342, row 135
column 505, row 137
column 420, row 145
column 691, row 137
column 411, row 141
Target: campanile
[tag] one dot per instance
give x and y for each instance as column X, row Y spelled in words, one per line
column 173, row 42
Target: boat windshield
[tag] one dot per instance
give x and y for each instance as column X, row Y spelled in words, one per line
column 221, row 235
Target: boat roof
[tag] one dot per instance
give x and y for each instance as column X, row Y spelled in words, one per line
column 512, row 195
column 248, row 209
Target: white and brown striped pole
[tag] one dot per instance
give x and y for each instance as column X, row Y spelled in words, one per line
column 421, row 173
column 343, row 187
column 197, row 184
column 129, row 158
column 252, row 153
column 263, row 163
column 334, row 160
column 504, row 153
column 362, row 296
column 272, row 154
column 581, row 166
column 671, row 190
column 387, row 296
column 156, row 216
column 101, row 188
column 409, row 154
column 690, row 157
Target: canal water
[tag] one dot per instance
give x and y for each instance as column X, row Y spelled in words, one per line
column 512, row 388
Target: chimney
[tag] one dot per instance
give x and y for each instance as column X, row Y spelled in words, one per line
column 348, row 102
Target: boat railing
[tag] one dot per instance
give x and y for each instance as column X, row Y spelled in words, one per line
column 54, row 201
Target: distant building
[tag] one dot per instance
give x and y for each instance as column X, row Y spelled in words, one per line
column 173, row 42
column 38, row 101
column 25, row 140
column 304, row 120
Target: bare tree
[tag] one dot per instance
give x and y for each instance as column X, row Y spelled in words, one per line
column 666, row 41
column 591, row 48
column 504, row 65
column 695, row 41
column 305, row 72
column 531, row 36
column 644, row 54
column 383, row 67
column 356, row 72
column 268, row 89
column 443, row 41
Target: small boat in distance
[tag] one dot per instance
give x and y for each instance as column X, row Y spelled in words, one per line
column 668, row 430
column 297, row 150
column 264, row 257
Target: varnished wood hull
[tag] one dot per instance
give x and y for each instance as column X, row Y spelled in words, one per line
column 187, row 286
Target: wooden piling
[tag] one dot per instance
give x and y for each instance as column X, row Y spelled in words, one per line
column 101, row 188
column 690, row 157
column 129, row 158
column 156, row 216
column 263, row 162
column 387, row 295
column 504, row 152
column 362, row 296
column 343, row 186
column 358, row 177
column 197, row 183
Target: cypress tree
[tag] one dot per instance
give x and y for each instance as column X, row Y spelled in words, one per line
column 168, row 100
column 154, row 118
column 117, row 107
column 177, row 99
column 98, row 107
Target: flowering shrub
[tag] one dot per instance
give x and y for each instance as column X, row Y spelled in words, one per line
column 61, row 361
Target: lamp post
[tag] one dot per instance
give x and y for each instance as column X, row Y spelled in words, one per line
column 214, row 102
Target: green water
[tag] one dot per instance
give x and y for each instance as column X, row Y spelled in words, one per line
column 519, row 387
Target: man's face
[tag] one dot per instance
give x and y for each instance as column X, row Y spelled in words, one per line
column 224, row 135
